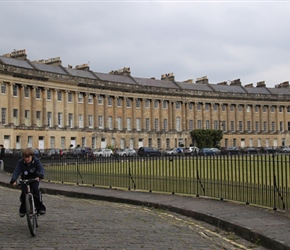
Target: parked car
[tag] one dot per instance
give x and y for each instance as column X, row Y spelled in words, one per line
column 285, row 150
column 205, row 151
column 148, row 151
column 268, row 150
column 216, row 151
column 52, row 153
column 191, row 151
column 173, row 151
column 251, row 150
column 103, row 152
column 231, row 151
column 79, row 152
column 126, row 152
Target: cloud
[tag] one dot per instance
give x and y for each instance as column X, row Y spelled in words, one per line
column 223, row 40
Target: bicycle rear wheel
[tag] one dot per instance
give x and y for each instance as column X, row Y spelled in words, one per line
column 31, row 214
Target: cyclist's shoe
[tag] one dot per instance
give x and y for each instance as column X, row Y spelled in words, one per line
column 21, row 214
column 41, row 212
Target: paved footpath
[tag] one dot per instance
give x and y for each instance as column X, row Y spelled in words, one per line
column 94, row 223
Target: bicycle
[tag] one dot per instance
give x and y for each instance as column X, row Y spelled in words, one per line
column 31, row 212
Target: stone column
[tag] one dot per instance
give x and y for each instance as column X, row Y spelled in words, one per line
column 76, row 110
column 22, row 106
column 44, row 107
column 33, row 105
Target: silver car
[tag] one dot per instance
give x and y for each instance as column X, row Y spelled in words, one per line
column 104, row 152
column 127, row 152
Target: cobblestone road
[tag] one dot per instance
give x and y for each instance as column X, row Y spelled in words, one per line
column 89, row 224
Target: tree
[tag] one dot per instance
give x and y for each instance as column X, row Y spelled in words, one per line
column 207, row 138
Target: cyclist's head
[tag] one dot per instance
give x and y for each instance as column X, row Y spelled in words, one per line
column 27, row 152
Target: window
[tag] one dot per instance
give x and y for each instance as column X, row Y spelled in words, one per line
column 165, row 104
column 128, row 102
column 119, row 120
column 158, row 142
column 190, row 125
column 264, row 109
column 207, row 124
column 70, row 120
column 280, row 109
column 49, row 119
column 69, row 97
column 3, row 115
column 288, row 109
column 138, row 124
column 199, row 124
column 110, row 122
column 15, row 117
column 215, row 107
column 84, row 141
column 80, row 98
column 48, row 94
column 273, row 109
column 147, row 124
column 257, row 126
column 38, row 118
column 234, row 142
column 207, row 107
column 232, row 126
column 59, row 95
column 100, row 121
column 129, row 124
column 178, row 105
column 156, row 124
column 52, row 142
column 273, row 126
column 37, row 93
column 281, row 126
column 62, row 142
column 138, row 103
column 90, row 99
column 178, row 124
column 110, row 101
column 249, row 126
column 167, row 143
column 224, row 126
column 165, row 125
column 59, row 119
column 215, row 124
column 223, row 107
column 248, row 108
column 265, row 126
column 232, row 107
column 119, row 102
column 90, row 121
column 256, row 108
column 190, row 106
column 288, row 126
column 240, row 108
column 149, row 142
column 199, row 106
column 26, row 92
column 15, row 90
column 3, row 88
column 147, row 103
column 29, row 140
column 100, row 100
column 156, row 104
column 81, row 121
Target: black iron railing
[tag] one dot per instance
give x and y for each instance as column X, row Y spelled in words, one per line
column 262, row 179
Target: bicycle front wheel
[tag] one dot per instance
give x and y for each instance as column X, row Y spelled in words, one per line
column 31, row 214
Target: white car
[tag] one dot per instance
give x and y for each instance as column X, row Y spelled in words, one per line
column 126, row 152
column 216, row 151
column 173, row 151
column 104, row 152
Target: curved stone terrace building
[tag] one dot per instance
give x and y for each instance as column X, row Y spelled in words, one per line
column 46, row 105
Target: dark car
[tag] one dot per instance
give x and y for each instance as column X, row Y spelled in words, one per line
column 148, row 151
column 269, row 150
column 80, row 152
column 52, row 153
column 251, row 151
column 231, row 151
column 206, row 151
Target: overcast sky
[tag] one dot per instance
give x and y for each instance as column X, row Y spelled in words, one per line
column 223, row 40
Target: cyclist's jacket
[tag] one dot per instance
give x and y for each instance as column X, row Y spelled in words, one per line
column 31, row 170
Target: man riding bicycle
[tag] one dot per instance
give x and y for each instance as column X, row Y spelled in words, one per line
column 29, row 167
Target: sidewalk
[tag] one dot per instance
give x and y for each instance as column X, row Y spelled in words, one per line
column 269, row 228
